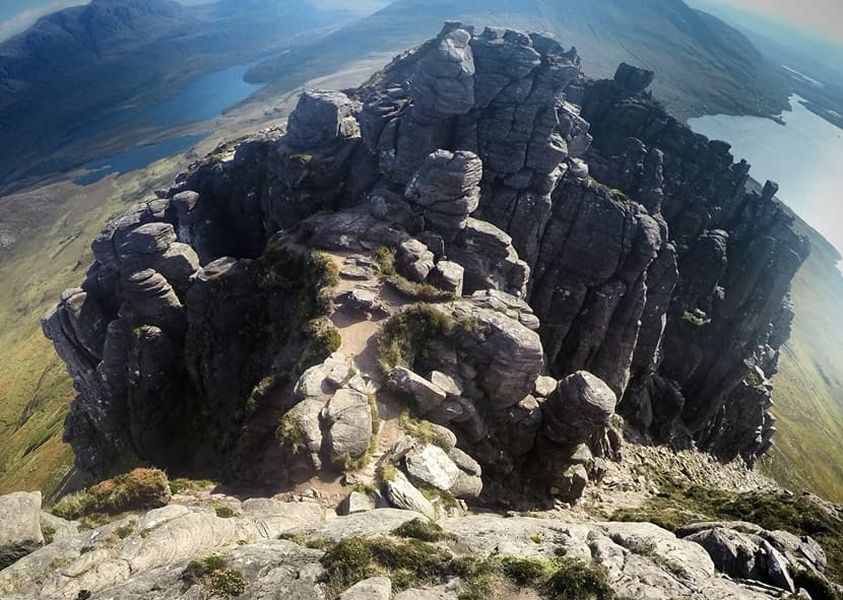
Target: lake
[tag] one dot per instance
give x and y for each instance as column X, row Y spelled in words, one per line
column 804, row 156
column 201, row 100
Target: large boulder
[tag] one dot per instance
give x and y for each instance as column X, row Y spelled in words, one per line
column 20, row 526
column 447, row 190
column 349, row 423
column 581, row 406
column 424, row 395
column 431, row 466
column 633, row 79
column 444, row 82
column 321, row 117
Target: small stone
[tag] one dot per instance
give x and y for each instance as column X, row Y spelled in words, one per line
column 432, row 466
column 545, row 386
column 446, row 383
column 356, row 502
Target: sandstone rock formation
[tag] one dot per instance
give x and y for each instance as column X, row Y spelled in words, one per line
column 20, row 526
column 265, row 547
column 582, row 252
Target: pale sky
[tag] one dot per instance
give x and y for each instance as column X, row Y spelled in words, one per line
column 820, row 17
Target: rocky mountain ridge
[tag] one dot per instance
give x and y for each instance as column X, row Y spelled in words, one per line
column 466, row 281
column 434, row 291
column 479, row 162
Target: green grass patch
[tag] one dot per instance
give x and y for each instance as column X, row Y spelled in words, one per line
column 323, row 339
column 214, row 574
column 424, row 431
column 140, row 489
column 406, row 336
column 224, row 512
column 187, row 486
column 126, row 530
column 421, row 529
column 289, row 434
column 422, row 292
column 415, row 563
column 315, row 543
column 49, row 533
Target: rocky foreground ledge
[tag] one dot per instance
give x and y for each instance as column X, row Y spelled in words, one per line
column 200, row 544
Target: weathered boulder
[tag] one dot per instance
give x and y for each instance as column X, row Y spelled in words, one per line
column 444, row 82
column 323, row 379
column 581, row 407
column 348, row 418
column 321, row 117
column 425, row 395
column 431, row 466
column 447, row 190
column 376, row 588
column 744, row 555
column 448, row 276
column 356, row 502
column 414, row 260
column 633, row 79
column 20, row 526
column 404, row 495
column 507, row 355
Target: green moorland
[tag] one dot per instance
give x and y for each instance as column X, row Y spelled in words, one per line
column 808, row 390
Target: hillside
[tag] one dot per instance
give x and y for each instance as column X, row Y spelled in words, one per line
column 809, row 387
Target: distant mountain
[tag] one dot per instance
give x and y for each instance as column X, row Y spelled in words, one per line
column 73, row 68
column 703, row 65
column 813, row 67
column 82, row 35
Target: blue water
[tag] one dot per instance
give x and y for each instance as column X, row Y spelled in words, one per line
column 201, row 100
column 205, row 98
column 805, row 156
column 136, row 158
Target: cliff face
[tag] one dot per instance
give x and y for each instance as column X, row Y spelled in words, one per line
column 595, row 253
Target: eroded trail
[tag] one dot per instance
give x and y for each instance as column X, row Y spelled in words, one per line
column 364, row 303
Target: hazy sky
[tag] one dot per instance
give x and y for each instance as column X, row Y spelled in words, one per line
column 821, row 17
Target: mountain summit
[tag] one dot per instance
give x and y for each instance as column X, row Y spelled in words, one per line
column 579, row 250
column 471, row 282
